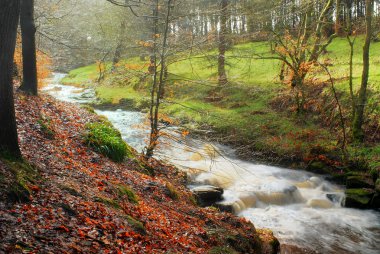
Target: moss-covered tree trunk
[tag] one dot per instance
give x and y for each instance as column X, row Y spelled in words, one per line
column 357, row 125
column 9, row 15
column 29, row 60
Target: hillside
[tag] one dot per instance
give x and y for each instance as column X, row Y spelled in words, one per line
column 254, row 112
column 66, row 198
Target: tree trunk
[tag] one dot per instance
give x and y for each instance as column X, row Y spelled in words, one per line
column 338, row 18
column 119, row 48
column 357, row 126
column 9, row 14
column 29, row 61
column 222, row 76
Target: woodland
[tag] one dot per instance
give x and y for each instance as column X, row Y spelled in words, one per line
column 202, row 126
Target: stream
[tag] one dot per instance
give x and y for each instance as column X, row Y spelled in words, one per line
column 301, row 208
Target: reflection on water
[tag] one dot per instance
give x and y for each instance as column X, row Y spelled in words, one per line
column 301, row 208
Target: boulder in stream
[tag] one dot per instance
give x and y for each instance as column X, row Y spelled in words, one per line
column 359, row 181
column 207, row 195
column 359, row 198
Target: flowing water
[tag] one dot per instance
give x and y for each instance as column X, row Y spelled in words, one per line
column 301, row 208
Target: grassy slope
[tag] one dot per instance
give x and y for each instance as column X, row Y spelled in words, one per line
column 244, row 114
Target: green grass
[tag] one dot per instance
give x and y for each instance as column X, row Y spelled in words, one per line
column 104, row 138
column 243, row 112
column 82, row 75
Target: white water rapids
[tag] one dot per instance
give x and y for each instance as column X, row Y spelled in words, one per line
column 301, row 208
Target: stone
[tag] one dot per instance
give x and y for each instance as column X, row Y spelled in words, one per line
column 318, row 167
column 377, row 185
column 375, row 203
column 207, row 195
column 359, row 198
column 320, row 203
column 335, row 198
column 359, row 181
column 226, row 206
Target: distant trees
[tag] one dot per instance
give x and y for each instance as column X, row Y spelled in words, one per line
column 9, row 15
column 28, row 31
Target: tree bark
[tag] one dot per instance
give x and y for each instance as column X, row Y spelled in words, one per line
column 357, row 126
column 29, row 60
column 222, row 76
column 9, row 14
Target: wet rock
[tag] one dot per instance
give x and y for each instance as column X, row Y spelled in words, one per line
column 359, row 198
column 375, row 203
column 359, row 181
column 377, row 185
column 335, row 198
column 318, row 167
column 225, row 206
column 207, row 195
column 320, row 203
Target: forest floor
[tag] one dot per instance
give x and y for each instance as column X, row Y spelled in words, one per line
column 66, row 198
column 255, row 112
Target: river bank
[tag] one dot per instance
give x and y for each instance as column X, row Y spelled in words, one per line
column 65, row 197
column 261, row 193
column 304, row 148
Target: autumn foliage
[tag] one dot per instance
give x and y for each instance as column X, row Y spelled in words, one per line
column 44, row 63
column 83, row 202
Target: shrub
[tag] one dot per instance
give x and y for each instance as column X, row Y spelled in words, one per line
column 104, row 138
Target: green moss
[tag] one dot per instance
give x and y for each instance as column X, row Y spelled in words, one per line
column 124, row 191
column 108, row 202
column 23, row 175
column 107, row 140
column 137, row 225
column 46, row 127
column 358, row 192
column 361, row 196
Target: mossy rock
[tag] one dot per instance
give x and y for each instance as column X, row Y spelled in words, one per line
column 377, row 185
column 243, row 244
column 359, row 198
column 359, row 181
column 222, row 250
column 318, row 167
